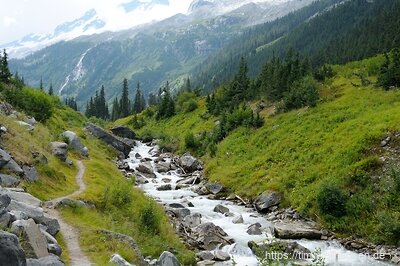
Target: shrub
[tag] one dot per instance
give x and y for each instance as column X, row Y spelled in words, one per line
column 118, row 196
column 190, row 106
column 149, row 219
column 332, row 201
column 389, row 227
column 190, row 141
column 302, row 94
column 35, row 103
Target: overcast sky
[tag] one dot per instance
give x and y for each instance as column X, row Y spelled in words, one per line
column 22, row 17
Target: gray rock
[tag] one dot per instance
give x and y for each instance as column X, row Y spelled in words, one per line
column 49, row 238
column 189, row 163
column 215, row 188
column 292, row 248
column 60, row 150
column 11, row 253
column 109, row 139
column 30, row 120
column 167, row 259
column 30, row 173
column 21, row 196
column 176, row 205
column 205, row 255
column 220, row 255
column 5, row 200
column 51, row 260
column 3, row 130
column 75, row 143
column 238, row 219
column 118, row 260
column 141, row 180
column 34, row 244
column 209, row 236
column 13, row 167
column 205, row 263
column 221, row 209
column 162, row 167
column 123, row 132
column 25, row 125
column 254, row 229
column 52, row 225
column 70, row 203
column 54, row 249
column 266, row 200
column 164, row 187
column 8, row 181
column 145, row 168
column 296, row 230
column 192, row 220
column 4, row 158
column 6, row 108
column 180, row 213
column 5, row 219
column 28, row 210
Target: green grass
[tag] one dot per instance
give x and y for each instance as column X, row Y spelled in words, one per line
column 299, row 152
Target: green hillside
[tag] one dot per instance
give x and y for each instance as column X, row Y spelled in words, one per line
column 118, row 205
column 308, row 152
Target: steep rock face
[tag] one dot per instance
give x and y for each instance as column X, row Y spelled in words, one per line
column 109, row 139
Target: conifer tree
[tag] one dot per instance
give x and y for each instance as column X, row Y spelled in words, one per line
column 5, row 74
column 124, row 104
column 139, row 103
column 51, row 92
column 41, row 84
column 115, row 110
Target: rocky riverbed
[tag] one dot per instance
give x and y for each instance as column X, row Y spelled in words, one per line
column 225, row 229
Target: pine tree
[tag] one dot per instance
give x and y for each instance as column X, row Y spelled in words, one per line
column 51, row 92
column 166, row 107
column 41, row 84
column 152, row 99
column 188, row 86
column 124, row 104
column 5, row 74
column 115, row 110
column 139, row 103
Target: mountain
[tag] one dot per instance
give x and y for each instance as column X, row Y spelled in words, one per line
column 88, row 24
column 327, row 31
column 150, row 54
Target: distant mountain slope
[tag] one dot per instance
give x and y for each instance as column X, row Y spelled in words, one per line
column 151, row 54
column 347, row 30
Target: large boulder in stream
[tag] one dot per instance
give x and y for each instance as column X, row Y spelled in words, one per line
column 266, row 200
column 123, row 132
column 146, row 169
column 189, row 163
column 296, row 230
column 294, row 249
column 110, row 139
column 167, row 259
column 209, row 236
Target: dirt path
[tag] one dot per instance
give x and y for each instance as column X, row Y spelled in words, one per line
column 70, row 234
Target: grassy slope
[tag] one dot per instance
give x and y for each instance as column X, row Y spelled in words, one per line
column 57, row 179
column 298, row 152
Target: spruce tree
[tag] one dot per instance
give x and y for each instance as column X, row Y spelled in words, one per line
column 139, row 103
column 5, row 74
column 51, row 92
column 41, row 84
column 115, row 110
column 124, row 104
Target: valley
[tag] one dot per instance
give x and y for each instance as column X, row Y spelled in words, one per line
column 261, row 132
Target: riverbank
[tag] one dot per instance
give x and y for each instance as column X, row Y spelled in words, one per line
column 224, row 227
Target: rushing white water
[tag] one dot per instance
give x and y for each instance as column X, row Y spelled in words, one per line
column 331, row 251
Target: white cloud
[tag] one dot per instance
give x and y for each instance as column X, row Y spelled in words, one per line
column 8, row 21
column 22, row 17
